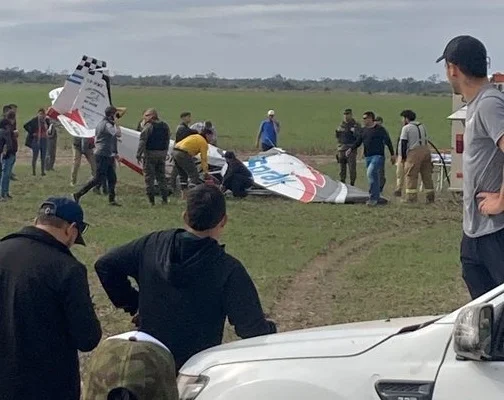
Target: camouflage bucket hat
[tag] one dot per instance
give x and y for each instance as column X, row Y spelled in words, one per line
column 144, row 368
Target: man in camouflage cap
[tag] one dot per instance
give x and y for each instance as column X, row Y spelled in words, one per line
column 134, row 364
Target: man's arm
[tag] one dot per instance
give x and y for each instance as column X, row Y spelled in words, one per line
column 491, row 113
column 113, row 270
column 403, row 138
column 113, row 129
column 146, row 131
column 83, row 324
column 259, row 133
column 388, row 142
column 243, row 306
column 204, row 156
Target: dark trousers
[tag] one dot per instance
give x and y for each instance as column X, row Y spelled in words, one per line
column 238, row 184
column 154, row 169
column 51, row 152
column 349, row 162
column 482, row 262
column 105, row 172
column 383, row 180
column 266, row 147
column 185, row 167
column 39, row 146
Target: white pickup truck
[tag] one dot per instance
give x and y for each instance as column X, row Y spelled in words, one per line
column 456, row 357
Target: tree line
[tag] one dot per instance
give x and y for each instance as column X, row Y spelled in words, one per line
column 367, row 84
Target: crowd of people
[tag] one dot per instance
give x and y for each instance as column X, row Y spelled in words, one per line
column 411, row 155
column 187, row 284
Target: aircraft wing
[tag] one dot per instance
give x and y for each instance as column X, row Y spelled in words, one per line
column 288, row 176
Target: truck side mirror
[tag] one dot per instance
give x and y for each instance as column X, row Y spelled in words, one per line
column 473, row 332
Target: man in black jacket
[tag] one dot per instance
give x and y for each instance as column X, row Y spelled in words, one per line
column 46, row 313
column 187, row 283
column 375, row 138
column 237, row 178
column 152, row 152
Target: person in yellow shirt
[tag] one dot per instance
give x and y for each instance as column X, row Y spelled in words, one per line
column 183, row 157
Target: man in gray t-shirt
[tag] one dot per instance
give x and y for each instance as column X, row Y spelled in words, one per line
column 482, row 248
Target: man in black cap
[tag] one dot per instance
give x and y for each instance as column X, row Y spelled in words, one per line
column 482, row 247
column 346, row 135
column 46, row 312
column 106, row 133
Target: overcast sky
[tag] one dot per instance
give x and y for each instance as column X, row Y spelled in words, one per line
column 246, row 38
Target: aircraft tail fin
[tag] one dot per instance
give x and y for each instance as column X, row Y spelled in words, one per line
column 85, row 95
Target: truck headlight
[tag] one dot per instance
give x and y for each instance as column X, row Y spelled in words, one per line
column 189, row 387
column 404, row 390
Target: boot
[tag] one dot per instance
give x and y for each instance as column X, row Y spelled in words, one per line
column 151, row 200
column 164, row 200
column 430, row 198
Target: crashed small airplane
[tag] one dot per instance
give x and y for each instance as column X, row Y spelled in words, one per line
column 80, row 104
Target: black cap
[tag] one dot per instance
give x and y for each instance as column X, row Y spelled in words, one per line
column 468, row 53
column 67, row 210
column 348, row 111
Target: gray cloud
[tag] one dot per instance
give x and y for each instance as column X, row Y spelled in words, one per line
column 297, row 38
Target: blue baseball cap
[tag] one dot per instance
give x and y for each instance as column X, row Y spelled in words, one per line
column 67, row 210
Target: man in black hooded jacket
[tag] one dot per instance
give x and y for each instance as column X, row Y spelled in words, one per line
column 187, row 283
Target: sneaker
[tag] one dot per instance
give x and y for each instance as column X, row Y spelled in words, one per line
column 371, row 203
column 9, row 196
column 3, row 199
column 13, row 177
column 114, row 203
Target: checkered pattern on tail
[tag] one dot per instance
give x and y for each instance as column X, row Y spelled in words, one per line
column 90, row 65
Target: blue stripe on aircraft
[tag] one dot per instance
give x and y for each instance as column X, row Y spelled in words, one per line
column 73, row 81
column 78, row 76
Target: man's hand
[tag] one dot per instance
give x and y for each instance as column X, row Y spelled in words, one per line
column 140, row 160
column 348, row 152
column 491, row 203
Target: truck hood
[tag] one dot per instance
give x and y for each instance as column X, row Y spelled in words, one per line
column 344, row 340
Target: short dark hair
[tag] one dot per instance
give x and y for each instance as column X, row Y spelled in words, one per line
column 5, row 109
column 206, row 206
column 110, row 111
column 369, row 114
column 230, row 155
column 409, row 115
column 185, row 114
column 12, row 105
column 41, row 110
column 347, row 111
column 208, row 124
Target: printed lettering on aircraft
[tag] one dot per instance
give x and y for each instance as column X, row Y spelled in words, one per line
column 267, row 174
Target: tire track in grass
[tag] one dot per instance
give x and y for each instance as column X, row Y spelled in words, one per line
column 308, row 299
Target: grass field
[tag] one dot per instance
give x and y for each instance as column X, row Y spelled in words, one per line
column 308, row 119
column 313, row 264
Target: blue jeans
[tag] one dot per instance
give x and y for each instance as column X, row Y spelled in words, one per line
column 39, row 146
column 7, row 165
column 374, row 164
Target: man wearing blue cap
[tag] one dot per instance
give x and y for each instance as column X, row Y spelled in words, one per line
column 482, row 247
column 46, row 313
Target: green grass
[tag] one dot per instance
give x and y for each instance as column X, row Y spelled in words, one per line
column 409, row 267
column 308, row 119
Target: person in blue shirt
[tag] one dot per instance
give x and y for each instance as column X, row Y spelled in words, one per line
column 268, row 132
